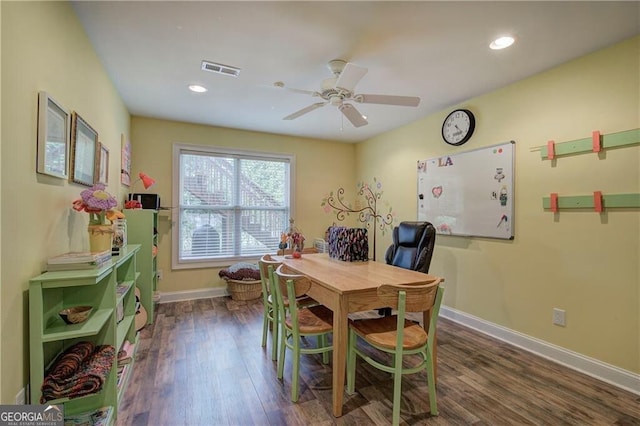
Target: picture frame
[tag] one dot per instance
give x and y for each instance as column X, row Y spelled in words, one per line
column 84, row 143
column 102, row 164
column 54, row 124
column 125, row 160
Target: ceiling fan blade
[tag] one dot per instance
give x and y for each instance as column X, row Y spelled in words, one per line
column 305, row 110
column 353, row 115
column 281, row 85
column 411, row 101
column 350, row 76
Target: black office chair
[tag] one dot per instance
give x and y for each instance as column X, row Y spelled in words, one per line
column 412, row 248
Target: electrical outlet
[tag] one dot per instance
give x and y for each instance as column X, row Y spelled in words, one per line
column 159, row 272
column 559, row 317
column 20, row 397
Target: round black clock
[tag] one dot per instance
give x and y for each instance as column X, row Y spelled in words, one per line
column 458, row 127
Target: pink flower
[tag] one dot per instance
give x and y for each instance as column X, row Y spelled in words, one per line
column 98, row 203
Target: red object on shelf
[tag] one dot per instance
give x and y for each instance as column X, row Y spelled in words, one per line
column 132, row 204
column 551, row 150
column 597, row 201
column 595, row 137
column 554, row 202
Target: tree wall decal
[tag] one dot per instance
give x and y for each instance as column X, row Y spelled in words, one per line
column 368, row 212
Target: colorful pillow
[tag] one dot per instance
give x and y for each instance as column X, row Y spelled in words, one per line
column 242, row 271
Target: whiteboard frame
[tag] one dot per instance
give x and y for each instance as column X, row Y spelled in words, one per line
column 511, row 218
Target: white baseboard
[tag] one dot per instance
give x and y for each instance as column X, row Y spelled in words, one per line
column 592, row 367
column 179, row 296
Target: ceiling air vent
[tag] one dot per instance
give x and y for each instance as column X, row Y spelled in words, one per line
column 220, row 69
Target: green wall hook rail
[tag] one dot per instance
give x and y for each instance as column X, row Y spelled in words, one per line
column 597, row 201
column 595, row 143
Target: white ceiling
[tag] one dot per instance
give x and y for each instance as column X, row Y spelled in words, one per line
column 435, row 50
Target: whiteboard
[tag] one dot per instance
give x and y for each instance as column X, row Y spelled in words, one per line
column 469, row 193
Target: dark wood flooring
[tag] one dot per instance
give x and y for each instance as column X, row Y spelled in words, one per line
column 201, row 364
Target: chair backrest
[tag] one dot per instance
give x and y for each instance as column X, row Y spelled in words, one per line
column 414, row 298
column 300, row 283
column 412, row 247
column 264, row 263
column 291, row 286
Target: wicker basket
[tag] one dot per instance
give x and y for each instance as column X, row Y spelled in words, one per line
column 244, row 289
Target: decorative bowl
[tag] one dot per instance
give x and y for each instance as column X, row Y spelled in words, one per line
column 75, row 314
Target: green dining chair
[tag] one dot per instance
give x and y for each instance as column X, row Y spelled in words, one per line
column 270, row 313
column 399, row 337
column 298, row 322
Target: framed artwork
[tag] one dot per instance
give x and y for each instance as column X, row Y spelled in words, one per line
column 102, row 164
column 53, row 137
column 125, row 161
column 84, row 142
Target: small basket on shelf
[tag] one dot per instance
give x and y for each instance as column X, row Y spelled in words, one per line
column 243, row 281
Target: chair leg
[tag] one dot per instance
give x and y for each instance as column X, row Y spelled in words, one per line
column 295, row 375
column 433, row 405
column 323, row 343
column 351, row 363
column 397, row 388
column 265, row 326
column 283, row 347
column 274, row 336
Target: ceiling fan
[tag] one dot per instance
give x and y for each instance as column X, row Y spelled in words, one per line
column 339, row 88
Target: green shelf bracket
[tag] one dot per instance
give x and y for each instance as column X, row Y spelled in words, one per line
column 595, row 143
column 597, row 201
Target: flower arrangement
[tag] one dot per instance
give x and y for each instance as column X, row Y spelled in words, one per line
column 99, row 204
column 293, row 238
column 296, row 239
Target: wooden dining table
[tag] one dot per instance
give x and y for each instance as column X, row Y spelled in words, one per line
column 347, row 287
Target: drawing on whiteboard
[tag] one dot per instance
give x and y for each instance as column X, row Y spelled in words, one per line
column 445, row 224
column 499, row 175
column 436, row 191
column 503, row 196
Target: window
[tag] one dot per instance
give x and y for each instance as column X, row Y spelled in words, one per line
column 231, row 205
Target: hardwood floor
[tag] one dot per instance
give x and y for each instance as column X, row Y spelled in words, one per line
column 201, row 364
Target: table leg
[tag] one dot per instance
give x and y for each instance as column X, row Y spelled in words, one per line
column 340, row 347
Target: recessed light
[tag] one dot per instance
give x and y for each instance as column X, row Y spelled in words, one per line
column 502, row 42
column 197, row 88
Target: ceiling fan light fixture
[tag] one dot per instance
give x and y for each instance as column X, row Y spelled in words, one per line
column 197, row 88
column 502, row 42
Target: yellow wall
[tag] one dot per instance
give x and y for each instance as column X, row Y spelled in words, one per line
column 579, row 261
column 321, row 166
column 43, row 48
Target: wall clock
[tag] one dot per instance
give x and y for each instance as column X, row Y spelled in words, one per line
column 458, row 127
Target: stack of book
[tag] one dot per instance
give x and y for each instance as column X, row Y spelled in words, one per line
column 125, row 358
column 125, row 355
column 78, row 260
column 99, row 417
